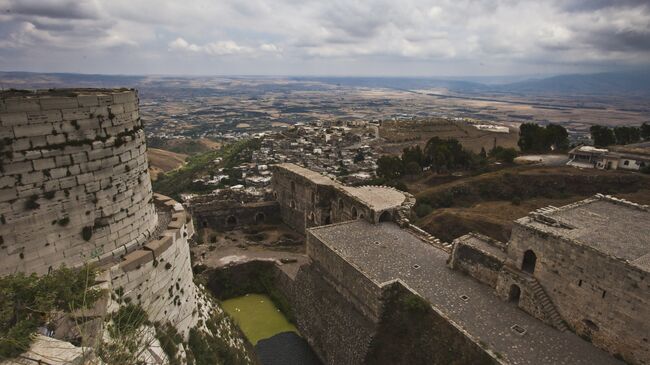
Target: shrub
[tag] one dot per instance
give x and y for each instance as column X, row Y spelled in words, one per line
column 64, row 221
column 168, row 266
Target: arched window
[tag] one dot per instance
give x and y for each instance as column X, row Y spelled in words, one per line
column 528, row 265
column 514, row 294
column 340, row 204
column 385, row 217
column 293, row 187
column 231, row 221
column 259, row 217
column 354, row 213
column 313, row 197
column 311, row 216
column 328, row 220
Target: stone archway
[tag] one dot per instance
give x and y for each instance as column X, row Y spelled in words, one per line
column 260, row 217
column 529, row 261
column 385, row 217
column 231, row 221
column 514, row 294
column 354, row 213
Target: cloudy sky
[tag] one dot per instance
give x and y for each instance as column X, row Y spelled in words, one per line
column 325, row 37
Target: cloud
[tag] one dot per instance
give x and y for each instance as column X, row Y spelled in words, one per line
column 335, row 36
column 221, row 48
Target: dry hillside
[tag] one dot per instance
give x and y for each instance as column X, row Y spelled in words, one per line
column 163, row 161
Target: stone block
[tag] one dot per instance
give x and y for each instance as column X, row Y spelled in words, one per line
column 159, row 246
column 7, row 181
column 32, row 130
column 87, row 100
column 105, row 100
column 84, row 178
column 22, row 105
column 33, row 154
column 64, row 160
column 59, row 103
column 136, row 259
column 55, row 139
column 79, row 157
column 58, row 173
column 18, row 168
column 8, row 194
column 13, row 119
column 44, row 116
column 32, row 177
column 124, row 97
column 44, row 163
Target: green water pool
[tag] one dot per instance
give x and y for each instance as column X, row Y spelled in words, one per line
column 257, row 316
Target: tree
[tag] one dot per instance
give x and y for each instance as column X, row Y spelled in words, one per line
column 627, row 135
column 556, row 138
column 645, row 131
column 389, row 167
column 531, row 138
column 447, row 154
column 503, row 154
column 602, row 136
column 414, row 154
column 412, row 168
column 535, row 138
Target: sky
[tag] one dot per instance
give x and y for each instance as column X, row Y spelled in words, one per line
column 326, row 37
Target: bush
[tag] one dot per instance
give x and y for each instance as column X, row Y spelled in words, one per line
column 28, row 302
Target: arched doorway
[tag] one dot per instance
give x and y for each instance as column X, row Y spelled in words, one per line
column 259, row 218
column 528, row 265
column 328, row 220
column 231, row 221
column 514, row 294
column 354, row 213
column 385, row 217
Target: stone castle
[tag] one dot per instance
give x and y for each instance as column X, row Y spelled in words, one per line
column 75, row 190
column 570, row 287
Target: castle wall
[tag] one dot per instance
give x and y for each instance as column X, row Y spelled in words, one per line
column 159, row 275
column 74, row 183
column 309, row 200
column 478, row 257
column 358, row 288
column 598, row 296
column 223, row 216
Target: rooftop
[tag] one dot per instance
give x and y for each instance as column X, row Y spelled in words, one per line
column 308, row 174
column 481, row 314
column 614, row 227
column 377, row 197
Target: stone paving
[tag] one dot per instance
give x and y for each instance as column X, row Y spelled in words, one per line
column 385, row 252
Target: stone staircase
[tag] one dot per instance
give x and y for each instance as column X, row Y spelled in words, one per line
column 545, row 302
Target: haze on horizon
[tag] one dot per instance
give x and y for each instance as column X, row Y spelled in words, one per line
column 336, row 37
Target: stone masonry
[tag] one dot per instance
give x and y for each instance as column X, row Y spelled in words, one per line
column 74, row 184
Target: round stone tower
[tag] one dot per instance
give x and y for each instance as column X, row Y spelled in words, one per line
column 74, row 183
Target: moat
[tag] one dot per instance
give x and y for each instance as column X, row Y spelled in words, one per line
column 276, row 340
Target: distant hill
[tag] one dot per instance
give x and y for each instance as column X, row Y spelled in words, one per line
column 602, row 84
column 632, row 83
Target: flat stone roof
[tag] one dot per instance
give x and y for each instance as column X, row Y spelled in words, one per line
column 385, row 252
column 616, row 228
column 377, row 197
column 309, row 174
